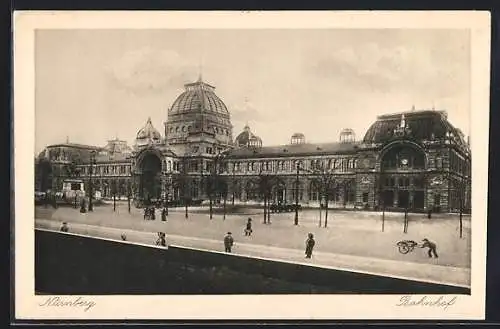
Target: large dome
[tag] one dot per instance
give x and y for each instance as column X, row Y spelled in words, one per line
column 198, row 97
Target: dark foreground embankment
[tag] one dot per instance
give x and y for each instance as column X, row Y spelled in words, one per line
column 72, row 264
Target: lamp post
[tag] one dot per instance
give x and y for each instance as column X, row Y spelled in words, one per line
column 91, row 183
column 233, row 185
column 128, row 195
column 296, row 221
column 462, row 200
column 114, row 195
column 216, row 186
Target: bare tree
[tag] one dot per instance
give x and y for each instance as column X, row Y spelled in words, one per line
column 328, row 183
column 185, row 183
column 462, row 183
column 265, row 183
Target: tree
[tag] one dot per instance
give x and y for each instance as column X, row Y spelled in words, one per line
column 215, row 184
column 461, row 184
column 265, row 183
column 72, row 169
column 129, row 194
column 184, row 182
column 328, row 183
column 114, row 189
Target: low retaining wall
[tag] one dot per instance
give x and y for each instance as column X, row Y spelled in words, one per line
column 73, row 264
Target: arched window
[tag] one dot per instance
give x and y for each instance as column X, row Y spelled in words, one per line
column 314, row 192
column 251, row 191
column 299, row 188
column 184, row 128
column 177, row 129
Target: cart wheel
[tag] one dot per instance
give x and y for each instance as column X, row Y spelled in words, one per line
column 404, row 249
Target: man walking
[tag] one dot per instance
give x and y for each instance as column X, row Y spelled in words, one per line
column 228, row 242
column 248, row 229
column 432, row 248
column 310, row 245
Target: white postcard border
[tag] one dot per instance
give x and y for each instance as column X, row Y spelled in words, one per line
column 247, row 306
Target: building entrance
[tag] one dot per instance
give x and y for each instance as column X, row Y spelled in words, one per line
column 402, row 178
column 150, row 178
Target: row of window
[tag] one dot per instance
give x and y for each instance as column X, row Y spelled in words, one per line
column 343, row 165
column 404, row 182
column 184, row 129
column 119, row 169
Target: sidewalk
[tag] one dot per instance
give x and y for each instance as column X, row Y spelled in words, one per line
column 397, row 269
column 359, row 237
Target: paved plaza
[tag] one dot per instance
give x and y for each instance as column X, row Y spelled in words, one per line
column 353, row 237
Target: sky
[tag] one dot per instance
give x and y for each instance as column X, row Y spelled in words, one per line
column 95, row 85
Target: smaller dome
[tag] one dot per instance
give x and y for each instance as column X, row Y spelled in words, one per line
column 255, row 141
column 347, row 135
column 247, row 138
column 298, row 138
column 149, row 132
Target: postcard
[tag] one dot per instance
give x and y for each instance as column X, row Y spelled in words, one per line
column 250, row 165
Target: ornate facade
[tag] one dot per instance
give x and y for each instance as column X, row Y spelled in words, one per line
column 414, row 160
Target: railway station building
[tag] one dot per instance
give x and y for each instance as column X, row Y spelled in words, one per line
column 415, row 160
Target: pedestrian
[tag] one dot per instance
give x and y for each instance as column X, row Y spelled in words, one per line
column 248, row 229
column 228, row 242
column 161, row 241
column 146, row 213
column 124, row 237
column 310, row 245
column 64, row 227
column 432, row 247
column 164, row 214
column 153, row 213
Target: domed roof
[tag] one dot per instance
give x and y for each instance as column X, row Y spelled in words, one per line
column 149, row 132
column 198, row 97
column 346, row 131
column 246, row 138
column 420, row 125
column 297, row 139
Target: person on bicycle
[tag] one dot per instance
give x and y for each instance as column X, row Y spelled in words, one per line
column 432, row 247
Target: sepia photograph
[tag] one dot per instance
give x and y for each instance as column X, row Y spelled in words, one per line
column 212, row 165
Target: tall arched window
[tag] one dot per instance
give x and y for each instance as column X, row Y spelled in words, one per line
column 314, row 191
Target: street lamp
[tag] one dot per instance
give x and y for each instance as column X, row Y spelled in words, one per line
column 296, row 221
column 128, row 195
column 462, row 200
column 91, row 187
